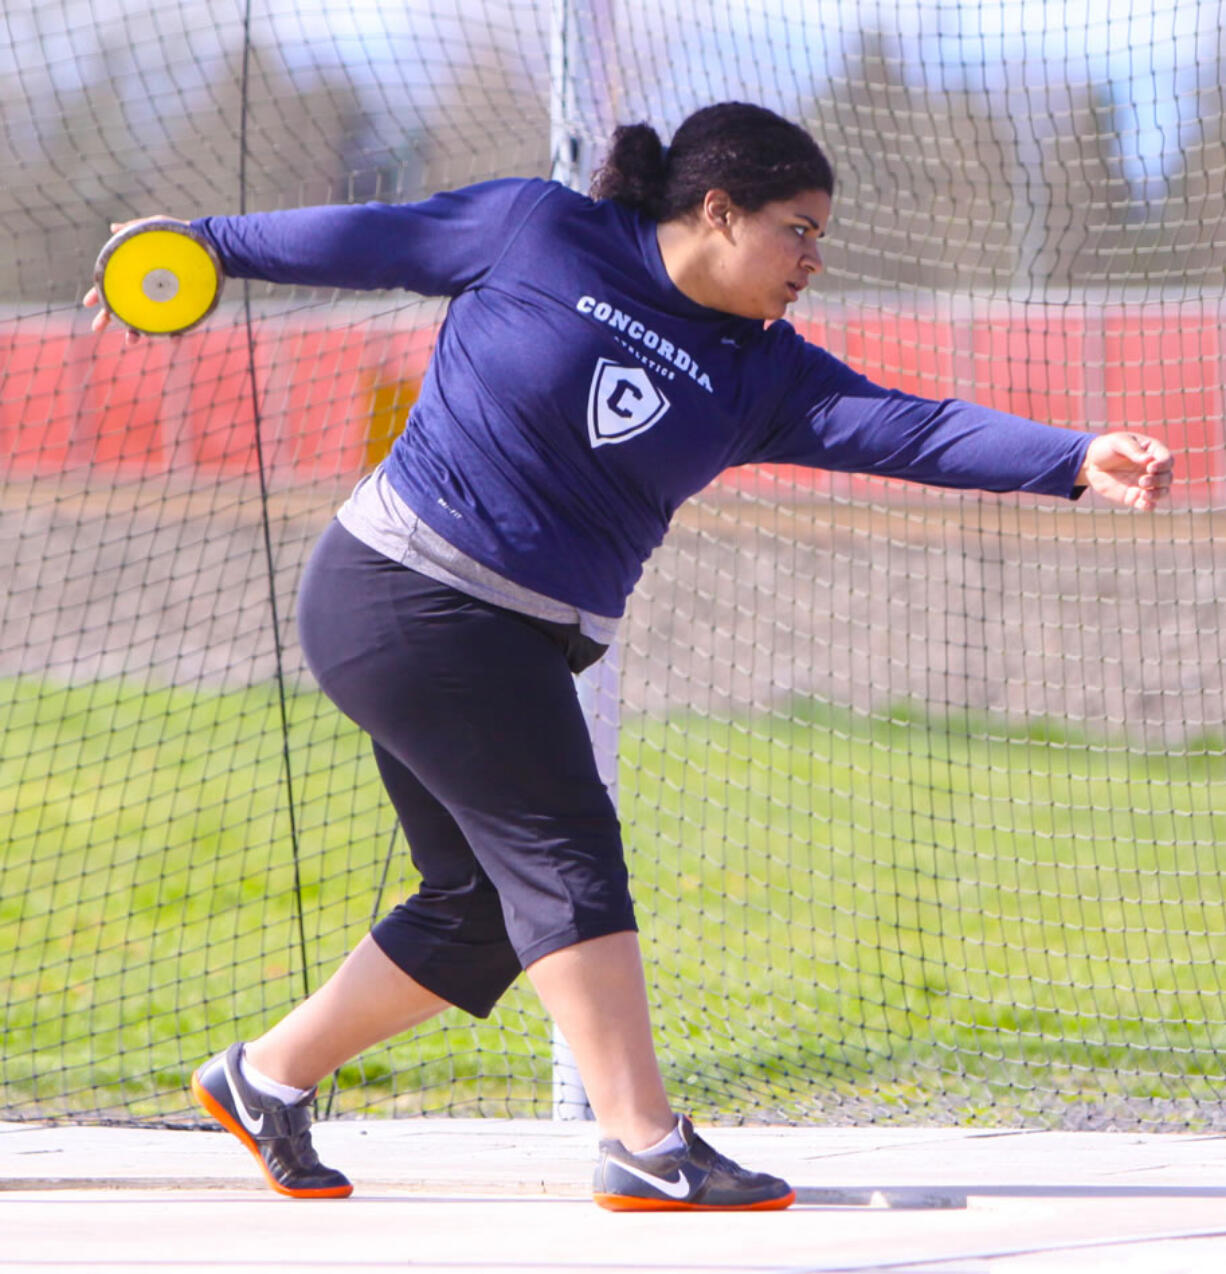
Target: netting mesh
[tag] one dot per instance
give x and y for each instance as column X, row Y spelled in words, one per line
column 922, row 792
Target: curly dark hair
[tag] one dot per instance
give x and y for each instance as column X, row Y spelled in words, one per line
column 749, row 151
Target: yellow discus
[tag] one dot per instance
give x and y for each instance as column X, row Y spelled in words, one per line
column 159, row 277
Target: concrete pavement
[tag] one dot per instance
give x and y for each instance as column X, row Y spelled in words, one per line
column 494, row 1196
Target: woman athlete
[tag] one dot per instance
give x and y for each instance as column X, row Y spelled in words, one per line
column 602, row 360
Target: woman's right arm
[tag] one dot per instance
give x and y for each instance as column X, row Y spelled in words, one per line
column 437, row 247
column 93, row 298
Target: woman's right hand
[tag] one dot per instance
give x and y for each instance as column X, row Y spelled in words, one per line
column 93, row 297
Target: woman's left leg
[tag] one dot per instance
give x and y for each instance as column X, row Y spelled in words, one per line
column 596, row 993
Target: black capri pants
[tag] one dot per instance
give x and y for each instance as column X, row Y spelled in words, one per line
column 483, row 749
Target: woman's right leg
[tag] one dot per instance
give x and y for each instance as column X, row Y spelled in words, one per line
column 366, row 1001
column 372, row 996
column 261, row 1091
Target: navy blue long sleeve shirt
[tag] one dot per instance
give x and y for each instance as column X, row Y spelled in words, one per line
column 576, row 397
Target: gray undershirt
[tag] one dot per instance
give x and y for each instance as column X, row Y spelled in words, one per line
column 376, row 515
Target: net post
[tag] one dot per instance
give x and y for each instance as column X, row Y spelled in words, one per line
column 564, row 144
column 599, row 691
column 585, row 89
column 581, row 103
column 569, row 1096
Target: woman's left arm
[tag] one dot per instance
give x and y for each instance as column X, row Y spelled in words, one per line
column 831, row 417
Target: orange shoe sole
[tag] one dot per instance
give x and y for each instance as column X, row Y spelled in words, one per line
column 206, row 1099
column 626, row 1203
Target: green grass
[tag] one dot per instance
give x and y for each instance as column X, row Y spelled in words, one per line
column 150, row 902
column 843, row 917
column 940, row 914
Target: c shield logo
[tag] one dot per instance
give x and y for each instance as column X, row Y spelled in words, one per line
column 622, row 403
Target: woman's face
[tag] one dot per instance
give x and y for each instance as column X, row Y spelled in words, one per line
column 763, row 260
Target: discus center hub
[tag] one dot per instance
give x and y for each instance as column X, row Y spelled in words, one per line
column 160, row 284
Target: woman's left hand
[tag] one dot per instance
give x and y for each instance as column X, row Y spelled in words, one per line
column 1128, row 469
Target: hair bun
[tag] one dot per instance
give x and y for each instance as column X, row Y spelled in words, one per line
column 635, row 171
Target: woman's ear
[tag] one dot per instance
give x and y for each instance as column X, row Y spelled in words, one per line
column 717, row 209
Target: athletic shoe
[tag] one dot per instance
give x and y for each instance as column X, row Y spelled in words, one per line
column 276, row 1133
column 693, row 1179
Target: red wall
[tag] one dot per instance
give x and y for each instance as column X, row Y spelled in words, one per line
column 69, row 399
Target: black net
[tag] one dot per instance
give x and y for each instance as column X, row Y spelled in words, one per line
column 923, row 793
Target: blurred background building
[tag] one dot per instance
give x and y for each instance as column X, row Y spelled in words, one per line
column 1039, row 147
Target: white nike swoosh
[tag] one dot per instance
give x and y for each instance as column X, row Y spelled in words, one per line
column 253, row 1126
column 678, row 1189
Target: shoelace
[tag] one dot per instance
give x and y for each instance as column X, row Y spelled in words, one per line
column 711, row 1159
column 301, row 1145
